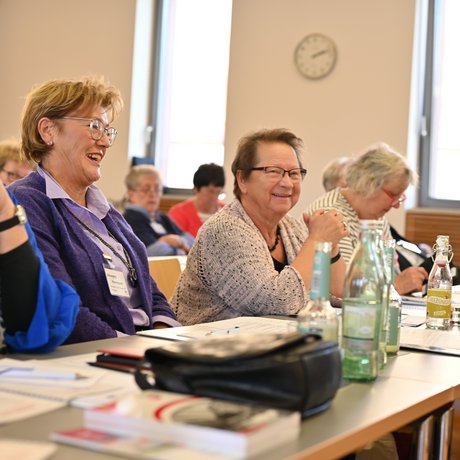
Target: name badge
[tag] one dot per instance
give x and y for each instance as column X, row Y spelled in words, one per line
column 116, row 282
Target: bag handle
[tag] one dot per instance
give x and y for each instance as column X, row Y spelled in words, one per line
column 141, row 377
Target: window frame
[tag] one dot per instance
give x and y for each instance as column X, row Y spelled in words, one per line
column 426, row 125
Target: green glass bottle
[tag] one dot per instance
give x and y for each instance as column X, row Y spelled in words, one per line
column 318, row 316
column 395, row 301
column 384, row 271
column 362, row 308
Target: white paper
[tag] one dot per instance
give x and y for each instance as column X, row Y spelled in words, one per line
column 436, row 341
column 243, row 325
column 19, row 407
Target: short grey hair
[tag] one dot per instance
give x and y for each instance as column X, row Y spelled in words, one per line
column 376, row 166
column 132, row 178
column 334, row 171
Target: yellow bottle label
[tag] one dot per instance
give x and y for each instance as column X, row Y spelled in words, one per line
column 438, row 303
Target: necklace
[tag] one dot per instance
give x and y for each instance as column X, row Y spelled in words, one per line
column 277, row 239
column 132, row 273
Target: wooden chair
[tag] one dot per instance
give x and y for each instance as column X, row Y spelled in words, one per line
column 165, row 272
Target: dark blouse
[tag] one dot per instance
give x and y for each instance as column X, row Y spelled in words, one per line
column 19, row 270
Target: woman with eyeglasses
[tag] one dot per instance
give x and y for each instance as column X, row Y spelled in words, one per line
column 376, row 182
column 252, row 258
column 161, row 236
column 85, row 241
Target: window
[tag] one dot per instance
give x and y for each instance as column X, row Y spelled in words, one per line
column 189, row 87
column 440, row 133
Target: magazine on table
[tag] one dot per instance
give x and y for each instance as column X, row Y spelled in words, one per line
column 211, row 425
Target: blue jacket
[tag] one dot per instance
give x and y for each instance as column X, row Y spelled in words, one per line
column 73, row 257
column 55, row 312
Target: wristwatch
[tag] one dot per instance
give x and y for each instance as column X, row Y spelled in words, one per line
column 19, row 218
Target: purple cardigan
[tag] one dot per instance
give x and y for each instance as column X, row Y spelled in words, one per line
column 74, row 258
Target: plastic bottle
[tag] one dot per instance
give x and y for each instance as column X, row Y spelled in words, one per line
column 395, row 302
column 438, row 301
column 362, row 308
column 318, row 316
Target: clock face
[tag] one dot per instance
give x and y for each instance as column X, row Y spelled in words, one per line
column 315, row 56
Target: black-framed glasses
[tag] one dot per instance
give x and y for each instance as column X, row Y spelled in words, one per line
column 97, row 129
column 277, row 173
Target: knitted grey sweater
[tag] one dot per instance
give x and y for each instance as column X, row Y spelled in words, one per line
column 230, row 271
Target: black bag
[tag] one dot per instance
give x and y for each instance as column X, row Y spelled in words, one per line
column 289, row 371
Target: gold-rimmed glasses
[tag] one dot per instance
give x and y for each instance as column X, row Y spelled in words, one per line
column 97, row 128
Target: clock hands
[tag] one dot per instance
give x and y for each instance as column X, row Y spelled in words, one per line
column 319, row 53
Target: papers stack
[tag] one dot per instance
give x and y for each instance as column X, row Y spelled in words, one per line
column 32, row 387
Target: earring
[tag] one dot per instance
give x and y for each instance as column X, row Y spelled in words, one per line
column 50, row 143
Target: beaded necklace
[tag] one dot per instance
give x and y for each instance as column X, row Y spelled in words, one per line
column 277, row 239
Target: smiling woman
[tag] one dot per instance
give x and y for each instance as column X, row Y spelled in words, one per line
column 252, row 258
column 85, row 241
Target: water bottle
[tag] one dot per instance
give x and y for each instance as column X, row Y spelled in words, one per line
column 318, row 316
column 384, row 268
column 363, row 295
column 395, row 301
column 439, row 295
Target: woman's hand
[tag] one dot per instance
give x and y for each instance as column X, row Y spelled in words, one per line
column 326, row 225
column 410, row 280
column 176, row 241
column 15, row 236
column 323, row 226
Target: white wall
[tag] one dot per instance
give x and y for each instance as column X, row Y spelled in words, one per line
column 364, row 100
column 49, row 39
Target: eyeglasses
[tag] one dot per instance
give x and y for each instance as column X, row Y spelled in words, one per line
column 97, row 129
column 147, row 190
column 12, row 176
column 395, row 200
column 277, row 173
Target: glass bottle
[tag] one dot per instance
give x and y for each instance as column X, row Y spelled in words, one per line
column 395, row 301
column 363, row 293
column 438, row 301
column 318, row 316
column 384, row 270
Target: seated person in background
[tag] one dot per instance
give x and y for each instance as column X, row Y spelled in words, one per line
column 409, row 254
column 375, row 183
column 252, row 258
column 161, row 236
column 208, row 183
column 334, row 173
column 12, row 165
column 85, row 241
column 37, row 312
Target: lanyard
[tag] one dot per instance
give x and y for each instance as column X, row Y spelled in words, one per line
column 132, row 274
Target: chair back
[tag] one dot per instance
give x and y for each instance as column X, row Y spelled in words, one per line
column 165, row 272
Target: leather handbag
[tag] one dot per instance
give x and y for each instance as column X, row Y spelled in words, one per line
column 285, row 371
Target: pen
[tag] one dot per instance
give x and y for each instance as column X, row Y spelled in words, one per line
column 31, row 373
column 232, row 330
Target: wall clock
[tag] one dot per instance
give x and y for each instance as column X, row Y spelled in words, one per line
column 315, row 56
